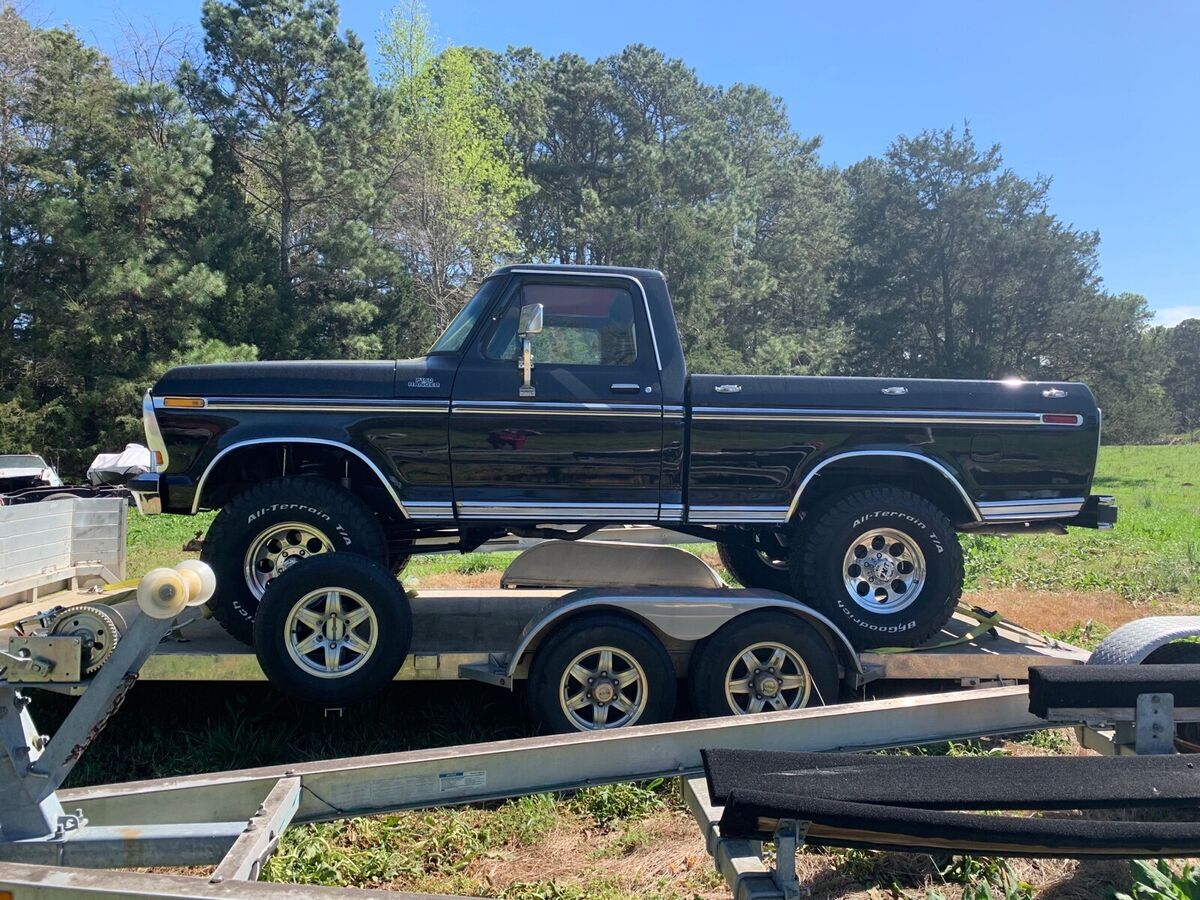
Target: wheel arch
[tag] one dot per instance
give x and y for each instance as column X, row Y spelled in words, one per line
column 224, row 463
column 921, row 474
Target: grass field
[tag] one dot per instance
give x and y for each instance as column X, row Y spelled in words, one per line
column 635, row 840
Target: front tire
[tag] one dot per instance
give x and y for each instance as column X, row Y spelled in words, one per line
column 275, row 525
column 334, row 631
column 884, row 564
column 766, row 567
column 762, row 662
column 599, row 673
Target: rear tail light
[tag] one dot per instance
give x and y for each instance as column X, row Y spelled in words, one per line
column 1061, row 419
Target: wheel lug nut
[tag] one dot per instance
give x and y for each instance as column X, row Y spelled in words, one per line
column 591, row 681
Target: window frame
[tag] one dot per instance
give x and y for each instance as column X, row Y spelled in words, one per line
column 516, row 290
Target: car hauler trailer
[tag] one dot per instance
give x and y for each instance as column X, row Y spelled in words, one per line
column 50, row 837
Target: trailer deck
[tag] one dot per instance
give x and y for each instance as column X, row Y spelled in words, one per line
column 475, row 628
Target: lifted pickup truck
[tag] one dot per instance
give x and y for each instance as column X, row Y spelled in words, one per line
column 558, row 401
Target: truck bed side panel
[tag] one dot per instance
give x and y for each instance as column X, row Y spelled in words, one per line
column 754, row 438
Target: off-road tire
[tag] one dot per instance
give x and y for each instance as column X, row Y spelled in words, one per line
column 391, row 629
column 555, row 654
column 816, row 565
column 349, row 524
column 713, row 656
column 752, row 571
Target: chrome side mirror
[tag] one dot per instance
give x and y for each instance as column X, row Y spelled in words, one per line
column 531, row 320
column 529, row 324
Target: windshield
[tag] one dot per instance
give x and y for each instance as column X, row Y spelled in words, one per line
column 24, row 461
column 456, row 332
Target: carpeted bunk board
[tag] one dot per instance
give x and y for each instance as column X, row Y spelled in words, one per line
column 903, row 802
column 1109, row 687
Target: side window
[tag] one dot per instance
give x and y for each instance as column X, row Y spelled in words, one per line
column 582, row 325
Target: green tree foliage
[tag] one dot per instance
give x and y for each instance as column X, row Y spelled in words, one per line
column 277, row 202
column 957, row 269
column 101, row 181
column 458, row 180
column 291, row 101
column 637, row 162
column 1180, row 347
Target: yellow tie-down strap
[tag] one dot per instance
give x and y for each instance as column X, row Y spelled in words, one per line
column 987, row 620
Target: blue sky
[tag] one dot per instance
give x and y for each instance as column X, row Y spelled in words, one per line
column 1103, row 96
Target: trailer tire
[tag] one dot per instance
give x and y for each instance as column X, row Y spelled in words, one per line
column 334, row 631
column 326, row 518
column 756, row 569
column 910, row 577
column 1179, row 653
column 797, row 667
column 637, row 673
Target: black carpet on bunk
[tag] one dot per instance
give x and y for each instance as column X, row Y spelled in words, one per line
column 1109, row 687
column 972, row 782
column 837, row 823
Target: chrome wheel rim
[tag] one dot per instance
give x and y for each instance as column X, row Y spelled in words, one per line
column 883, row 570
column 331, row 632
column 765, row 677
column 778, row 564
column 278, row 548
column 603, row 687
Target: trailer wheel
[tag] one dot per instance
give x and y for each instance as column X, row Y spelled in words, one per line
column 884, row 564
column 760, row 662
column 333, row 631
column 601, row 672
column 270, row 528
column 1179, row 653
column 762, row 568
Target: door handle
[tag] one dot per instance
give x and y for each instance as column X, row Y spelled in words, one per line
column 620, row 388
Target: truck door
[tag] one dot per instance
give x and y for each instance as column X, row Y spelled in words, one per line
column 587, row 445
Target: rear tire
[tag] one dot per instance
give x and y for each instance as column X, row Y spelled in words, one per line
column 634, row 684
column 333, row 631
column 265, row 531
column 884, row 564
column 757, row 568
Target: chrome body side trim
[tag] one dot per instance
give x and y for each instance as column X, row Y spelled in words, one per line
column 906, row 454
column 888, row 417
column 1029, row 510
column 576, row 273
column 554, row 512
column 513, row 408
column 721, row 515
column 671, row 512
column 431, row 509
column 295, row 440
column 313, row 404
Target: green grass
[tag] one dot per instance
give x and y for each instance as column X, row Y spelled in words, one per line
column 1152, row 554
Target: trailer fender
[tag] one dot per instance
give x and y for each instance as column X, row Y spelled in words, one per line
column 1130, row 644
column 684, row 615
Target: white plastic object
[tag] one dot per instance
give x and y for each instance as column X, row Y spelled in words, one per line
column 201, row 581
column 162, row 593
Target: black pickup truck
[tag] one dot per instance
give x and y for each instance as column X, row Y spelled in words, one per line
column 558, row 401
